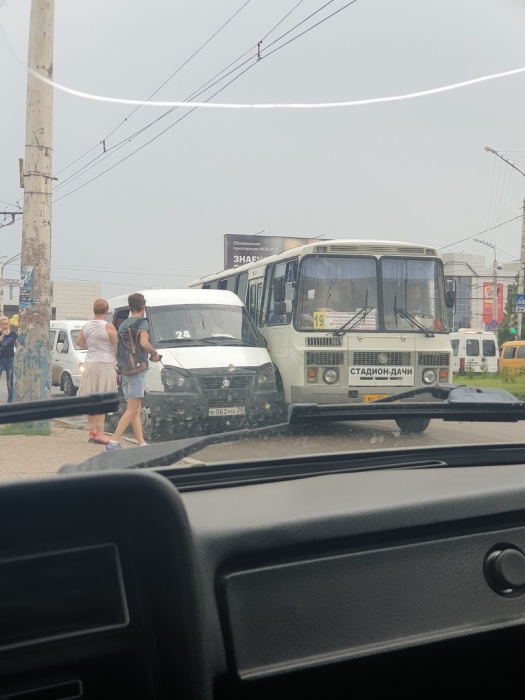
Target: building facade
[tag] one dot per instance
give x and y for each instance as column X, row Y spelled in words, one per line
column 472, row 281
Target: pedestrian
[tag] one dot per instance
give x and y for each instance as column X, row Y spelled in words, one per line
column 133, row 384
column 8, row 343
column 100, row 371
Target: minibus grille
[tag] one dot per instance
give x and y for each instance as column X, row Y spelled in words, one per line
column 218, row 382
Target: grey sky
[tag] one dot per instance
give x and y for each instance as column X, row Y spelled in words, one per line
column 413, row 170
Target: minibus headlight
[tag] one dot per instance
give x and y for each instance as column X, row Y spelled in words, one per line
column 266, row 375
column 81, row 368
column 172, row 379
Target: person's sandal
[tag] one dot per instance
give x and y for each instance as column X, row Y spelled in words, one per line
column 101, row 439
column 92, row 437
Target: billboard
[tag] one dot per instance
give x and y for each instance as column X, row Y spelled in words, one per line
column 488, row 313
column 239, row 250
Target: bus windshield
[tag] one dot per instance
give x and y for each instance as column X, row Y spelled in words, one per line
column 414, row 287
column 333, row 289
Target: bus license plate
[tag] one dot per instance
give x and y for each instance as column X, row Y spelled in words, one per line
column 227, row 411
column 374, row 397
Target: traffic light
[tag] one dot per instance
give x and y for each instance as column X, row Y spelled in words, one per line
column 514, row 324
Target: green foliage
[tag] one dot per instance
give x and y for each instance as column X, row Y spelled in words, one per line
column 23, row 429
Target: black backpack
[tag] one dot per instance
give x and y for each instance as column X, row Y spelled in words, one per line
column 131, row 356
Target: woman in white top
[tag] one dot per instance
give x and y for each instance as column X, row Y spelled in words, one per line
column 100, row 374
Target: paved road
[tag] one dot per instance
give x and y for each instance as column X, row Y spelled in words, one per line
column 341, row 437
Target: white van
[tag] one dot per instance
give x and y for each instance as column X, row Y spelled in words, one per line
column 474, row 351
column 215, row 373
column 67, row 360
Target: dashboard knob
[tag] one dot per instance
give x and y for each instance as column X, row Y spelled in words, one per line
column 505, row 571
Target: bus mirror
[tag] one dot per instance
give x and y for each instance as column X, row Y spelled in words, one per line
column 281, row 308
column 279, row 289
column 450, row 298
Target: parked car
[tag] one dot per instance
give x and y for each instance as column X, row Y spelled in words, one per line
column 67, row 360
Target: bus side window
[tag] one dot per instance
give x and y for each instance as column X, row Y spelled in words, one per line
column 242, row 286
column 252, row 300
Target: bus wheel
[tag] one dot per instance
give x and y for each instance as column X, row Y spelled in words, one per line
column 412, row 425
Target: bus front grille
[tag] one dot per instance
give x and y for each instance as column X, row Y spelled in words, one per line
column 433, row 359
column 326, row 359
column 396, row 359
column 324, row 341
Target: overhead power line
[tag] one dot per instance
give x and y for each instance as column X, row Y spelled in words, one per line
column 259, row 57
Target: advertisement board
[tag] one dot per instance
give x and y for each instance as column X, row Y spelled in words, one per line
column 488, row 314
column 239, row 250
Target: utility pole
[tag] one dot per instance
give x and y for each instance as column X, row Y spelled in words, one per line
column 32, row 367
column 521, row 275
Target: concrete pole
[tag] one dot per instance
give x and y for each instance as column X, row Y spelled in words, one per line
column 495, row 289
column 32, row 369
column 521, row 274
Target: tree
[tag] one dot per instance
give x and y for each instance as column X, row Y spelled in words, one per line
column 508, row 327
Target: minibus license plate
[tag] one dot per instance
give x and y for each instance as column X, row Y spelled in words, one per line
column 374, row 397
column 227, row 411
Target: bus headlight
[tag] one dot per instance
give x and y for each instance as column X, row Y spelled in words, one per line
column 429, row 376
column 172, row 379
column 330, row 376
column 266, row 375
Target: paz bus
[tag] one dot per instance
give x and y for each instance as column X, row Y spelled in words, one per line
column 349, row 321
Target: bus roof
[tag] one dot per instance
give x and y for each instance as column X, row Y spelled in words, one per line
column 344, row 245
column 166, row 297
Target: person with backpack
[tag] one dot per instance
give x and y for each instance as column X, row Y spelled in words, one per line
column 133, row 348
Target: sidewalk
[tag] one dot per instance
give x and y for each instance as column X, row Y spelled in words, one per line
column 31, row 456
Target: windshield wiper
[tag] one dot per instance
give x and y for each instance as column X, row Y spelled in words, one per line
column 191, row 341
column 398, row 311
column 231, row 340
column 356, row 318
column 454, row 403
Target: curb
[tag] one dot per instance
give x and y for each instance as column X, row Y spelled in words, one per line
column 75, row 426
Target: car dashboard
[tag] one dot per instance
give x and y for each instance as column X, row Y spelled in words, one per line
column 123, row 585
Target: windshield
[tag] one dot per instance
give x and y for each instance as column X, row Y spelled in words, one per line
column 413, row 286
column 333, row 290
column 336, row 173
column 74, row 336
column 176, row 324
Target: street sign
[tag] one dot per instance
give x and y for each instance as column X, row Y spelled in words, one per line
column 11, row 283
column 493, row 325
column 520, row 299
column 520, row 309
